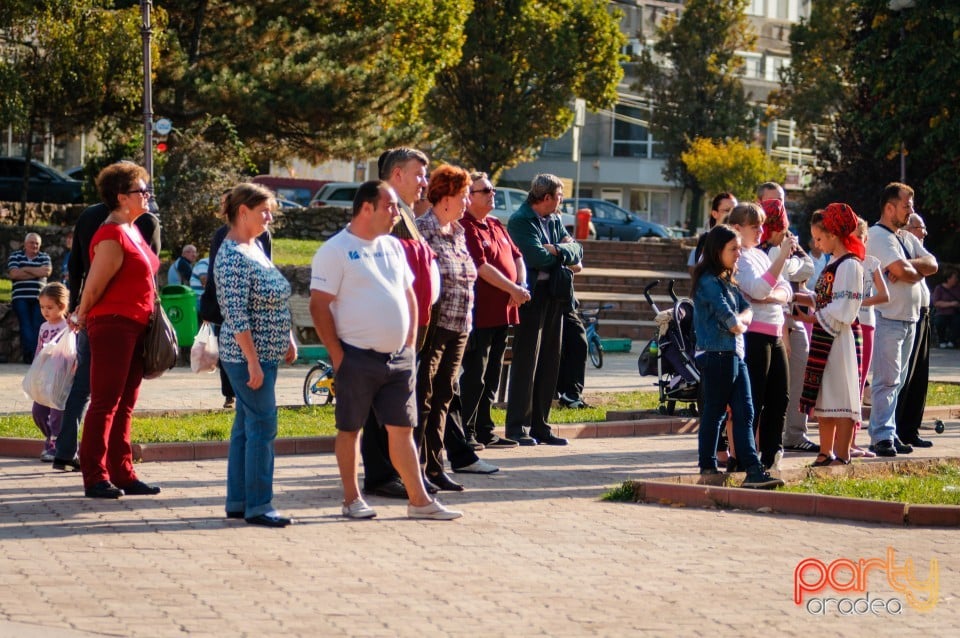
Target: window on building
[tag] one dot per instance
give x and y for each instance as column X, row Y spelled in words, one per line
column 772, row 66
column 756, row 8
column 651, row 205
column 631, row 135
column 752, row 65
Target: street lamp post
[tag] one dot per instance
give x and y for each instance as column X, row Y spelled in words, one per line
column 146, row 31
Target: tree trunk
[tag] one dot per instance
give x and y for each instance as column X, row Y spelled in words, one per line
column 28, row 157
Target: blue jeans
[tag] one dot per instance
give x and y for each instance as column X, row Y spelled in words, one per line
column 76, row 401
column 725, row 381
column 892, row 342
column 28, row 314
column 250, row 460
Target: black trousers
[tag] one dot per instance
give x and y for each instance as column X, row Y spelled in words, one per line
column 573, row 356
column 770, row 386
column 480, row 380
column 912, row 399
column 437, row 375
column 536, row 360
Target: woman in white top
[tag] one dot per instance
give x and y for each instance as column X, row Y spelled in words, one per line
column 761, row 281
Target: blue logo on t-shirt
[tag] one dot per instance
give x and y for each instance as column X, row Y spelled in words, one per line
column 353, row 255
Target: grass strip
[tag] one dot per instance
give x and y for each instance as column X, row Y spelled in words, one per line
column 936, row 485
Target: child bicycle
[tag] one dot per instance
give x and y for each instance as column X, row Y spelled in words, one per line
column 319, row 387
column 591, row 321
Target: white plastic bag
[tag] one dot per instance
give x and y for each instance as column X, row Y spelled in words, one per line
column 50, row 377
column 204, row 353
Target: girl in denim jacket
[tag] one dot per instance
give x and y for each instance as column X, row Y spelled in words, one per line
column 721, row 315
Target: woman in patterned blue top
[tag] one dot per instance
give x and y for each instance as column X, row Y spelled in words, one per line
column 254, row 337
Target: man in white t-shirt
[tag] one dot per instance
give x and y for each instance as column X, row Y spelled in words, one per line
column 364, row 309
column 905, row 262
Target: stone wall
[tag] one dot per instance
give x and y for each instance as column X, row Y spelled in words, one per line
column 310, row 223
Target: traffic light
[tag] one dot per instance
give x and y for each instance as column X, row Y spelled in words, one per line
column 161, row 145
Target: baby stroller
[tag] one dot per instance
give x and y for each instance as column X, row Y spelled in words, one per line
column 669, row 355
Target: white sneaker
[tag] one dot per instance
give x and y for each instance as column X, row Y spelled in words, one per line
column 943, row 345
column 479, row 467
column 433, row 511
column 358, row 509
column 48, row 457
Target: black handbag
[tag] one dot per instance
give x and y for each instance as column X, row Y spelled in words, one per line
column 160, row 346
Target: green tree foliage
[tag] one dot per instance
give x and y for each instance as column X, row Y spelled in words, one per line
column 691, row 76
column 878, row 79
column 316, row 79
column 65, row 65
column 523, row 63
column 202, row 161
column 730, row 166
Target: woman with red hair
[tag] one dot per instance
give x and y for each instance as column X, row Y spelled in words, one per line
column 831, row 383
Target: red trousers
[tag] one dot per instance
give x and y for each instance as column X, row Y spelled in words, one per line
column 116, row 370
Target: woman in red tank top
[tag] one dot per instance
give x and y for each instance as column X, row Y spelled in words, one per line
column 115, row 308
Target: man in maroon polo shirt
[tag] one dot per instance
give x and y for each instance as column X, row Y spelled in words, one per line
column 500, row 290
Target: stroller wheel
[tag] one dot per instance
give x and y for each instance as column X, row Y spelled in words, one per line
column 692, row 408
column 938, row 426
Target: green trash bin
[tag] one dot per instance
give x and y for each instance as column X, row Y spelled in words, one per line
column 180, row 304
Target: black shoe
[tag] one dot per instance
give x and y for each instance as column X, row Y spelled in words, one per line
column 391, row 489
column 552, row 440
column 139, row 488
column 429, row 485
column 761, row 481
column 235, row 514
column 474, row 444
column 500, row 442
column 901, row 447
column 103, row 489
column 268, row 521
column 526, row 440
column 732, row 465
column 62, row 465
column 918, row 442
column 444, row 482
column 885, row 448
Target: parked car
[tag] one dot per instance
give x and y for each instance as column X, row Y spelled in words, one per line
column 46, row 184
column 286, row 204
column 335, row 194
column 613, row 222
column 508, row 200
column 295, row 189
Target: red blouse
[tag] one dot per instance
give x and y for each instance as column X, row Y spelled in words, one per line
column 130, row 292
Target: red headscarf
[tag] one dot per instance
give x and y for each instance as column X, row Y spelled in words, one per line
column 776, row 217
column 840, row 220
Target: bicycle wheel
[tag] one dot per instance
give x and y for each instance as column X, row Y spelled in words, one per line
column 595, row 349
column 318, row 386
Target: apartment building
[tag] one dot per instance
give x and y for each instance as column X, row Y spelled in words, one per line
column 621, row 161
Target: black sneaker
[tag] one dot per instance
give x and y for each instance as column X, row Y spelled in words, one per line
column 901, row 447
column 474, row 444
column 62, row 465
column 761, row 481
column 103, row 489
column 884, row 448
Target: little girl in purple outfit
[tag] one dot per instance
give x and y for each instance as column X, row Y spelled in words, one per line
column 53, row 306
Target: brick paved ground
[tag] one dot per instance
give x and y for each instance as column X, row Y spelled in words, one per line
column 536, row 554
